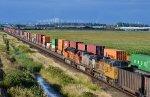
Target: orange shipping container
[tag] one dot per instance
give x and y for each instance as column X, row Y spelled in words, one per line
column 46, row 39
column 115, row 54
column 60, row 44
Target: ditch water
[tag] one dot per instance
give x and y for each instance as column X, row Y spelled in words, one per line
column 46, row 87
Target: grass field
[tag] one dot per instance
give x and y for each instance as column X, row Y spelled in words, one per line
column 133, row 42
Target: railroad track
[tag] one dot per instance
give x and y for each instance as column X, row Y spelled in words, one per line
column 61, row 59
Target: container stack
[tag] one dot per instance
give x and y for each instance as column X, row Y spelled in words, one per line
column 60, row 46
column 40, row 38
column 82, row 47
column 115, row 54
column 54, row 45
column 74, row 44
column 28, row 36
column 17, row 32
column 66, row 44
column 142, row 62
column 46, row 41
column 97, row 50
column 25, row 35
column 21, row 33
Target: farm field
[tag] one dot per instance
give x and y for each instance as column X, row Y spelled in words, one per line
column 131, row 41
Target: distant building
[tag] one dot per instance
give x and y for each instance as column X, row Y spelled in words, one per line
column 133, row 28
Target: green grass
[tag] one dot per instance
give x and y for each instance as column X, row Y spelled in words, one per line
column 133, row 42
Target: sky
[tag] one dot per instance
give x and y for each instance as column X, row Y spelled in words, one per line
column 99, row 11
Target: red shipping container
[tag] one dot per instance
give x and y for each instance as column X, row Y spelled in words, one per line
column 40, row 39
column 98, row 50
column 82, row 46
column 91, row 48
column 28, row 35
column 21, row 33
column 74, row 44
column 66, row 44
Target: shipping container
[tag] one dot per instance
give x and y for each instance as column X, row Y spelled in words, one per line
column 25, row 34
column 48, row 45
column 147, row 86
column 46, row 39
column 74, row 44
column 98, row 50
column 55, row 42
column 130, row 81
column 66, row 44
column 141, row 61
column 37, row 38
column 82, row 47
column 40, row 38
column 115, row 54
column 60, row 44
column 54, row 48
column 28, row 35
column 21, row 33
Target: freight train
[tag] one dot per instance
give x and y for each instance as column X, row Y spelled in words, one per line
column 109, row 65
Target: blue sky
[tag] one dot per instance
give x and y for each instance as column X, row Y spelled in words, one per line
column 102, row 11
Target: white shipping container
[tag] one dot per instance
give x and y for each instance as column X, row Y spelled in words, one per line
column 48, row 44
column 53, row 46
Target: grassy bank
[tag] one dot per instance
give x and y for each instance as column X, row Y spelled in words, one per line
column 18, row 69
column 133, row 42
column 70, row 86
column 70, row 83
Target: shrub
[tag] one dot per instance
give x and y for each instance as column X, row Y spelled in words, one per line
column 18, row 78
column 12, row 59
column 33, row 67
column 24, row 49
column 57, row 73
column 26, row 92
column 88, row 94
column 1, row 64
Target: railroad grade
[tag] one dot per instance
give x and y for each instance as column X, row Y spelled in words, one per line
column 60, row 58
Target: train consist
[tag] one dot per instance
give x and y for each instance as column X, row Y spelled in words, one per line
column 109, row 65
